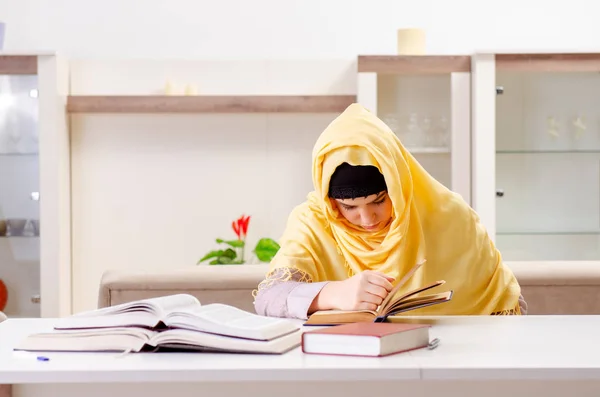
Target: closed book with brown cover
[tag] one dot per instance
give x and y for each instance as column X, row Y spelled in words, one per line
column 366, row 339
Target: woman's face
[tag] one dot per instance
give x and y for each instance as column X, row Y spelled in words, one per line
column 372, row 213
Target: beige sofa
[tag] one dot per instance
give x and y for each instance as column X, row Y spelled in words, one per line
column 548, row 287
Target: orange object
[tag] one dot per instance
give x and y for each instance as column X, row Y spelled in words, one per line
column 3, row 295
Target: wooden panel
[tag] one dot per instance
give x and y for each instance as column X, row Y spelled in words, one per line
column 18, row 64
column 5, row 390
column 416, row 64
column 549, row 62
column 209, row 104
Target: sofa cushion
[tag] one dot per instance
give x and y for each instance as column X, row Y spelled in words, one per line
column 228, row 284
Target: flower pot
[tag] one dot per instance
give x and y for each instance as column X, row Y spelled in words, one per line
column 3, row 228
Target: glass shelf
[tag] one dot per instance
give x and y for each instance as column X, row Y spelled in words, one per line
column 548, row 151
column 547, row 166
column 549, row 233
column 428, row 150
column 18, row 154
column 19, row 177
column 418, row 109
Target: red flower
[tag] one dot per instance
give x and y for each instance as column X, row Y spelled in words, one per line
column 240, row 227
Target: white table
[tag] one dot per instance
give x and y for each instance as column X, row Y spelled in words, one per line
column 513, row 355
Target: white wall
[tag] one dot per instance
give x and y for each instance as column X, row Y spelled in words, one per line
column 291, row 28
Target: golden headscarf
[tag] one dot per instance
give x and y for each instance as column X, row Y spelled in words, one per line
column 429, row 223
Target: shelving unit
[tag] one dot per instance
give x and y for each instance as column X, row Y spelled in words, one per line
column 425, row 100
column 35, row 149
column 17, row 65
column 408, row 64
column 19, row 253
column 209, row 104
column 537, row 176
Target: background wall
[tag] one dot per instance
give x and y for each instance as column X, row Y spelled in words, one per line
column 155, row 191
column 292, row 28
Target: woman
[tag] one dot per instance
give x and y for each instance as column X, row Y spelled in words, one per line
column 374, row 213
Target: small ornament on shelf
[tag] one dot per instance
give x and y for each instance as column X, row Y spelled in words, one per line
column 410, row 41
column 191, row 90
column 169, row 88
column 552, row 126
column 580, row 126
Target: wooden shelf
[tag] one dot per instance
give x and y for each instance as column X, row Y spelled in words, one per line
column 414, row 64
column 210, row 104
column 575, row 62
column 428, row 150
column 18, row 64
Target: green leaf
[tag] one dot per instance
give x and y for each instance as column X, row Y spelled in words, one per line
column 265, row 249
column 224, row 260
column 221, row 257
column 212, row 254
column 232, row 243
column 229, row 253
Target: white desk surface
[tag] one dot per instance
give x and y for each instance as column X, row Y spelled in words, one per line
column 473, row 348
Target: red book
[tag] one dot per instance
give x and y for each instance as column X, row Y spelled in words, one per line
column 366, row 339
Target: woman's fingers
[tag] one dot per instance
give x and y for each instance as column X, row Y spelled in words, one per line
column 367, row 306
column 376, row 290
column 381, row 280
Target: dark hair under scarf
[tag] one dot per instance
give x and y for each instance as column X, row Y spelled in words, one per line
column 352, row 181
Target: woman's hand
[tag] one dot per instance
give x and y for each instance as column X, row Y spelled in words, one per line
column 364, row 291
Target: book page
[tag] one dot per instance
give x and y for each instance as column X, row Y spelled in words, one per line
column 141, row 313
column 181, row 339
column 388, row 300
column 404, row 298
column 330, row 317
column 228, row 320
column 116, row 339
column 422, row 301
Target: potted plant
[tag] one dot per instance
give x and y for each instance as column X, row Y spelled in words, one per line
column 234, row 253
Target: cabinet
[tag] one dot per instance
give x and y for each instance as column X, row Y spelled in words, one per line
column 19, row 187
column 34, row 185
column 426, row 101
column 536, row 154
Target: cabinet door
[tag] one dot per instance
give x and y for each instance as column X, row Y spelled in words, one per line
column 429, row 112
column 19, row 187
column 546, row 153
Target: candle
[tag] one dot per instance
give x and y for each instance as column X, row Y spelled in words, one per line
column 411, row 41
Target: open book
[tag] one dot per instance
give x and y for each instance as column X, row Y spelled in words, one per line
column 391, row 305
column 175, row 322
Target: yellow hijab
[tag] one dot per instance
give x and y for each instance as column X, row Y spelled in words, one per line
column 429, row 224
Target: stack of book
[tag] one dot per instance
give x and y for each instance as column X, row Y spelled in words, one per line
column 171, row 323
